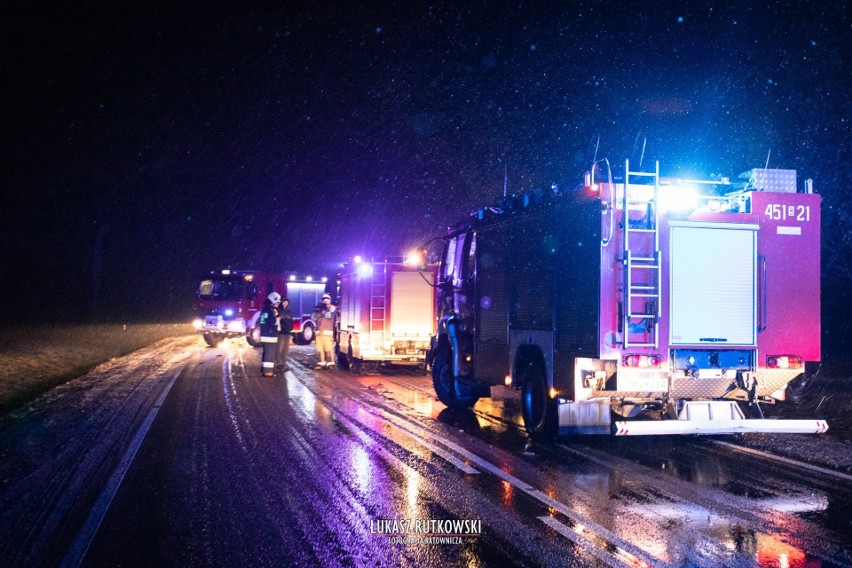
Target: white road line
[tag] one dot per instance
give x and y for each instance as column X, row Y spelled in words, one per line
column 77, row 551
column 603, row 555
column 360, row 431
column 788, row 461
column 430, row 446
column 441, row 452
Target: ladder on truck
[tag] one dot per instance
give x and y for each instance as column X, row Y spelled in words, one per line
column 378, row 307
column 641, row 258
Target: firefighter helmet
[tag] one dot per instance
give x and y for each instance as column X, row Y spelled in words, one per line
column 326, row 297
column 274, row 297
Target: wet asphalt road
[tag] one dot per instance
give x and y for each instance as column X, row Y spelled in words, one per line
column 307, row 468
column 241, row 470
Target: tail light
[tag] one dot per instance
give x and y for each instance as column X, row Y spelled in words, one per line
column 784, row 362
column 635, row 360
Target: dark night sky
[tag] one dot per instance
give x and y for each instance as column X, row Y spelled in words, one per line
column 146, row 145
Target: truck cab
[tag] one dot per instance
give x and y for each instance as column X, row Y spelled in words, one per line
column 228, row 300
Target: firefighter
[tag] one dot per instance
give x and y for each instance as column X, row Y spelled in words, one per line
column 325, row 317
column 268, row 322
column 285, row 326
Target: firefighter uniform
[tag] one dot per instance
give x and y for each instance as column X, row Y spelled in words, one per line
column 325, row 318
column 268, row 322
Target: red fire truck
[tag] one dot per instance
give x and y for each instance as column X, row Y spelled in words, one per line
column 639, row 305
column 387, row 311
column 227, row 300
column 304, row 294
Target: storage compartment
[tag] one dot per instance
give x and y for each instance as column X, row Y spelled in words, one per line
column 713, row 284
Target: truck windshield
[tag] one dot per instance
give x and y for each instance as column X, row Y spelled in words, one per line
column 210, row 289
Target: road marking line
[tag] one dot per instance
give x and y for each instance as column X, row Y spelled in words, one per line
column 359, row 429
column 80, row 546
column 781, row 459
column 577, row 538
column 430, row 446
column 441, row 452
column 486, row 465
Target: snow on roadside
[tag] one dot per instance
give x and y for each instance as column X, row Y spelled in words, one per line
column 59, row 450
column 34, row 359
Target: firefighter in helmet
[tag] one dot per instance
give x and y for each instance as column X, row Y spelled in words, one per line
column 268, row 322
column 325, row 318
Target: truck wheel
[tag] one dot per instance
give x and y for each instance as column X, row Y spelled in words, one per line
column 253, row 337
column 445, row 383
column 214, row 339
column 538, row 409
column 307, row 334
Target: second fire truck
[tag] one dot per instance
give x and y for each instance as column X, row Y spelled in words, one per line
column 639, row 305
column 387, row 311
column 228, row 301
column 304, row 295
column 228, row 304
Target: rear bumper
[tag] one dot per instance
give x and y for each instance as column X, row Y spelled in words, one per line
column 710, row 427
column 396, row 359
column 695, row 417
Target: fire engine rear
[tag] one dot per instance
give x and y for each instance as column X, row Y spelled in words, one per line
column 640, row 305
column 387, row 311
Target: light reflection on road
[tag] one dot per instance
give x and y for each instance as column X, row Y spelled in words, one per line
column 299, row 394
column 767, row 549
column 671, row 531
column 412, row 487
column 362, row 466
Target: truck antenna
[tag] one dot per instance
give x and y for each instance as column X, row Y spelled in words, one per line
column 642, row 153
column 505, row 176
column 765, row 167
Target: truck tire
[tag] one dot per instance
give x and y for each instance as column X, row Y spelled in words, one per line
column 253, row 336
column 445, row 383
column 538, row 409
column 214, row 339
column 307, row 334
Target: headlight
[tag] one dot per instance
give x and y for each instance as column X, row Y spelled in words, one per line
column 197, row 323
